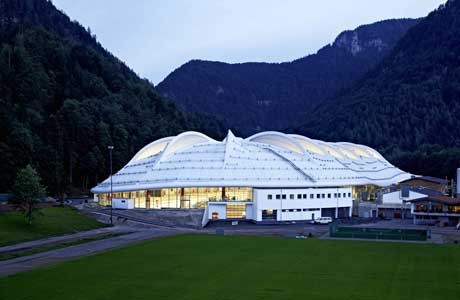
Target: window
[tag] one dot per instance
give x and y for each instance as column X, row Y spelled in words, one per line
column 278, row 196
column 318, row 196
column 291, row 196
column 349, row 194
column 323, row 195
column 299, row 196
column 305, row 196
column 283, row 196
column 236, row 211
column 291, row 210
column 298, row 210
column 269, row 197
column 329, row 195
column 269, row 214
column 284, row 210
column 312, row 196
column 313, row 209
column 335, row 195
column 338, row 195
column 304, row 209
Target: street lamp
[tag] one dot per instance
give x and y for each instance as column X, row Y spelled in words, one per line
column 111, row 190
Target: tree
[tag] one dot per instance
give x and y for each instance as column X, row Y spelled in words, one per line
column 27, row 191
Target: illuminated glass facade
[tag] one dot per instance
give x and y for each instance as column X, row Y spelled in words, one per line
column 194, row 197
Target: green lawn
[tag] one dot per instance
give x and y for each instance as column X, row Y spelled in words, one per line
column 229, row 267
column 54, row 221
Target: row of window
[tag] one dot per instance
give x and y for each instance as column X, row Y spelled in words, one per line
column 305, row 196
column 300, row 209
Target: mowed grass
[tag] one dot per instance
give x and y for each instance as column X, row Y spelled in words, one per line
column 54, row 221
column 231, row 267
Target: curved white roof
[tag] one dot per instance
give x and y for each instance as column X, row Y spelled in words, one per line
column 266, row 159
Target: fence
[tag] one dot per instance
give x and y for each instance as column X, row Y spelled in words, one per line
column 378, row 233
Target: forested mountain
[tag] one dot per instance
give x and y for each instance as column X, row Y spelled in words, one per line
column 252, row 97
column 64, row 99
column 409, row 106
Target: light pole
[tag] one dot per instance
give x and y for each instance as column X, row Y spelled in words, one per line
column 337, row 203
column 111, row 190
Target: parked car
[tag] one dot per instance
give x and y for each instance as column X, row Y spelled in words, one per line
column 323, row 220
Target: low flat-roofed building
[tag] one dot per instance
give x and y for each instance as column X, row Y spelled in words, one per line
column 435, row 209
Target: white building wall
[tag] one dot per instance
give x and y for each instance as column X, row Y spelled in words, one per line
column 396, row 198
column 249, row 211
column 306, row 205
column 217, row 207
column 122, row 203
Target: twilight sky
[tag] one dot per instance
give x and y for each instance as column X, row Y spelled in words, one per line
column 155, row 37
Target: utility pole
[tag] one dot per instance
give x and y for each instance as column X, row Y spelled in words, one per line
column 111, row 184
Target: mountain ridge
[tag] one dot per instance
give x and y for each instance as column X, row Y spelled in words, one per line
column 270, row 96
column 407, row 106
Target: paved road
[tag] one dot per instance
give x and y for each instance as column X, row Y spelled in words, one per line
column 25, row 263
column 67, row 238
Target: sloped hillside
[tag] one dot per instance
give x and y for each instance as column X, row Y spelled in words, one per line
column 408, row 106
column 64, row 98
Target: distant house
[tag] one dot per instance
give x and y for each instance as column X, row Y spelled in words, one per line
column 429, row 182
column 434, row 209
column 394, row 204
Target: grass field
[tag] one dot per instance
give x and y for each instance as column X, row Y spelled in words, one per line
column 230, row 267
column 54, row 221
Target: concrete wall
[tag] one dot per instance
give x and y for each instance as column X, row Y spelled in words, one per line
column 191, row 218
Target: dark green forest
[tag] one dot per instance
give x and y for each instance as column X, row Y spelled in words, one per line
column 408, row 107
column 64, row 99
column 253, row 97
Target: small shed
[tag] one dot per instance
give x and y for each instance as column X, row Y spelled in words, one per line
column 122, row 203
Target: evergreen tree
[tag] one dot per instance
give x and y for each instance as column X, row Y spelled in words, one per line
column 28, row 191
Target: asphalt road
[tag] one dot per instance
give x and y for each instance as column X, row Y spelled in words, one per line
column 20, row 264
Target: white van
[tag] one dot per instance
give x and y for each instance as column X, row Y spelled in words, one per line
column 323, row 220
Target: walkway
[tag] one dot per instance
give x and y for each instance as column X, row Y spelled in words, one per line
column 20, row 264
column 66, row 238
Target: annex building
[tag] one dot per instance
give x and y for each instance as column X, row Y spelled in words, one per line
column 270, row 176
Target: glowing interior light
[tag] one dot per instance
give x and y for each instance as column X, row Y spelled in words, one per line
column 332, row 151
column 309, row 146
column 347, row 153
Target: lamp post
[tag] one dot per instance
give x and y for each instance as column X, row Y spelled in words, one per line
column 111, row 190
column 337, row 203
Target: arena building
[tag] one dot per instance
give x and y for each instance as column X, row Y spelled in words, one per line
column 270, row 176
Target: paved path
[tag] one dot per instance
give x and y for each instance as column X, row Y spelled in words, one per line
column 20, row 264
column 67, row 238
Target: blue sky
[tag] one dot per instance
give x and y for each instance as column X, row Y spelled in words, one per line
column 156, row 37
